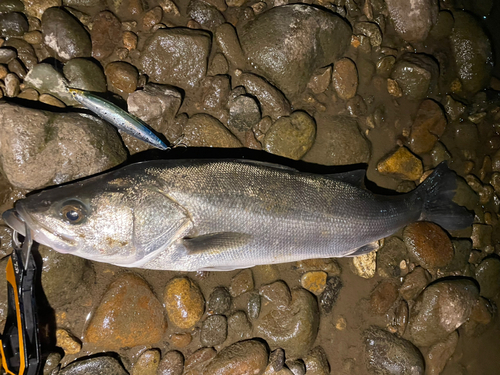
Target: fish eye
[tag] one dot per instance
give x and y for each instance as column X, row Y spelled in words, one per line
column 73, row 212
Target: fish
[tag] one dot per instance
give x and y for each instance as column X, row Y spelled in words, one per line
column 221, row 215
column 117, row 117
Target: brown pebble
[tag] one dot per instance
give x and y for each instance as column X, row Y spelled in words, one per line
column 122, row 76
column 3, row 71
column 320, row 82
column 33, row 37
column 184, row 302
column 428, row 244
column 314, row 281
column 129, row 40
column 147, row 363
column 181, row 340
column 345, row 78
column 197, row 361
column 414, row 283
column 28, row 94
column 430, row 124
column 51, row 100
column 172, row 363
column 402, row 164
column 151, row 18
column 11, row 85
column 393, row 88
column 241, row 283
column 383, row 297
column 69, row 343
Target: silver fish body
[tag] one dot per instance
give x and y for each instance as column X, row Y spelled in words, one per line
column 117, row 117
column 195, row 215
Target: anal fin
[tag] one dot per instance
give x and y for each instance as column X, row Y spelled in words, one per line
column 368, row 248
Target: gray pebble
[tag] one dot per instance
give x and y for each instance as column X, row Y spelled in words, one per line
column 205, row 14
column 244, row 113
column 316, row 362
column 213, row 330
column 11, row 85
column 488, row 277
column 5, row 241
column 51, row 362
column 277, row 293
column 277, row 359
column 328, row 298
column 13, row 24
column 94, row 366
column 219, row 301
column 172, row 363
column 7, row 54
column 296, row 366
column 254, row 306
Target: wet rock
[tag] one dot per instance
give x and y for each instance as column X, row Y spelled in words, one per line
column 239, row 327
column 90, row 146
column 5, row 239
column 172, row 363
column 488, row 276
column 254, row 306
column 181, row 340
column 67, row 342
column 184, row 302
column 272, row 102
column 338, row 142
column 294, row 328
column 244, row 114
column 454, row 109
column 385, row 65
column 383, row 297
column 465, row 134
column 393, row 88
column 429, row 125
column 6, row 55
column 277, row 360
column 178, row 57
column 277, row 293
column 106, row 34
column 94, row 366
column 401, row 164
column 12, row 83
column 356, row 106
column 316, row 362
column 128, row 315
column 218, row 66
column 298, row 33
column 328, row 265
column 157, row 106
column 321, row 80
column 371, row 30
column 365, row 265
column 196, row 362
column 45, row 79
column 291, row 136
column 389, row 257
column 401, row 316
column 147, row 363
column 428, row 244
column 65, row 35
column 52, row 361
column 439, row 153
column 122, row 76
column 151, row 18
column 203, row 130
column 416, row 75
column 345, row 78
column 242, row 358
column 388, row 354
column 13, row 24
column 215, row 97
column 213, row 330
column 296, row 366
column 440, row 309
column 472, row 52
column 219, row 301
column 85, row 74
column 439, row 354
column 241, row 283
column 328, row 298
column 413, row 20
column 11, row 6
column 314, row 281
column 205, row 14
column 414, row 283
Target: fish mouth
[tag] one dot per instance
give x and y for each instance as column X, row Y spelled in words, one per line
column 16, row 219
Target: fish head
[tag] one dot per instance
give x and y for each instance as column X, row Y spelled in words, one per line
column 109, row 218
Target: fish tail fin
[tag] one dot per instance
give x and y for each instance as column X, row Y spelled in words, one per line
column 437, row 192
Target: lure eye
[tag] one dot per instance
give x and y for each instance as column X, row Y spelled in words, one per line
column 73, row 213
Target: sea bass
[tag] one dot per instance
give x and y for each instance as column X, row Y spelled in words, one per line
column 192, row 215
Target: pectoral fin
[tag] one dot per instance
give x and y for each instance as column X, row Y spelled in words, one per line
column 368, row 248
column 216, row 242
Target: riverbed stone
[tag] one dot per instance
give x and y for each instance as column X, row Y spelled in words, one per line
column 390, row 355
column 416, row 74
column 414, row 283
column 65, row 35
column 439, row 354
column 472, row 52
column 277, row 293
column 184, row 302
column 100, row 364
column 329, row 296
column 106, row 34
column 172, row 363
column 338, row 142
column 128, row 315
column 345, row 78
column 213, row 330
column 309, row 36
column 488, row 277
column 293, row 328
column 389, row 257
column 242, row 358
column 207, row 15
column 429, row 124
column 203, row 130
column 13, row 24
column 122, row 76
column 85, row 74
column 147, row 363
column 314, row 281
column 219, row 301
column 90, row 146
column 428, row 244
column 383, row 297
column 413, row 20
column 46, row 79
column 291, row 136
column 401, row 164
column 238, row 327
column 176, row 56
column 365, row 265
column 440, row 309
